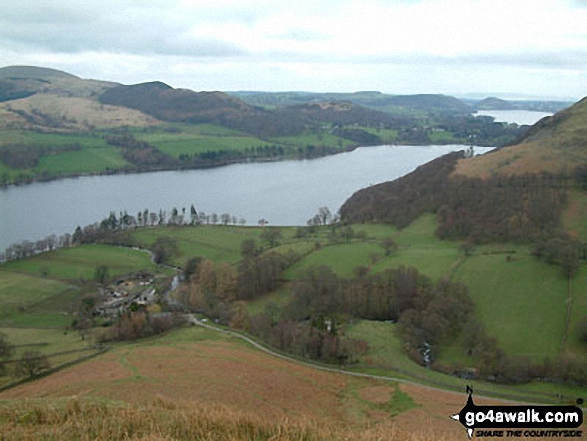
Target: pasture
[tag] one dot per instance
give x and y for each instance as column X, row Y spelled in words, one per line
column 78, row 264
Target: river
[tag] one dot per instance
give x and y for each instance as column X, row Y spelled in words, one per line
column 283, row 193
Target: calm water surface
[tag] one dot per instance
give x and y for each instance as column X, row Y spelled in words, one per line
column 520, row 117
column 284, row 193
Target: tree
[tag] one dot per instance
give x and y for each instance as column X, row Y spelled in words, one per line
column 194, row 215
column 389, row 245
column 271, row 235
column 325, row 215
column 191, row 267
column 225, row 219
column 582, row 330
column 31, row 364
column 6, row 350
column 249, row 248
column 101, row 274
column 163, row 249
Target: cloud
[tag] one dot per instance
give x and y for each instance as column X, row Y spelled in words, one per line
column 264, row 44
column 73, row 27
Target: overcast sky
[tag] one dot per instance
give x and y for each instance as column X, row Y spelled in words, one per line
column 502, row 47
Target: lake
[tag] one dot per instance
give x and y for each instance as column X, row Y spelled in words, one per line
column 284, row 193
column 520, row 117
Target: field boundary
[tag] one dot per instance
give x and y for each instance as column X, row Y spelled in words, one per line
column 444, row 387
column 55, row 369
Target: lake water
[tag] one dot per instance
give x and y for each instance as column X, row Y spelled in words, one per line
column 520, row 117
column 284, row 193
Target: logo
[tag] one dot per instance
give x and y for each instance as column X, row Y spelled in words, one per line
column 519, row 421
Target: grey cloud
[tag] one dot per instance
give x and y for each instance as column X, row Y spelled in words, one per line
column 571, row 59
column 115, row 27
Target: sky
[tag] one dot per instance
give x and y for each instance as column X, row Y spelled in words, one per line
column 506, row 48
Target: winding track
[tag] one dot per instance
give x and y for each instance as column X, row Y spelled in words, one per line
column 193, row 320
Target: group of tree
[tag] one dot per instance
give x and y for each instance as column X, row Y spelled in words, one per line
column 29, row 364
column 499, row 208
column 140, row 153
column 27, row 248
column 23, row 156
column 109, row 229
column 212, row 287
column 139, row 323
column 316, row 339
column 562, row 250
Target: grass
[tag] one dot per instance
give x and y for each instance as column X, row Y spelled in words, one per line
column 216, row 243
column 573, row 217
column 47, row 341
column 161, row 419
column 432, row 262
column 279, row 298
column 315, row 139
column 79, row 263
column 521, row 302
column 50, row 139
column 198, row 145
column 386, row 135
column 32, row 301
column 209, row 372
column 578, row 313
column 387, row 357
column 199, row 138
column 385, row 348
column 91, row 160
column 441, row 137
column 343, row 258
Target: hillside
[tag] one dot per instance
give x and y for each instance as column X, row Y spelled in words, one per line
column 479, row 197
column 395, row 103
column 34, row 73
column 555, row 144
column 493, row 103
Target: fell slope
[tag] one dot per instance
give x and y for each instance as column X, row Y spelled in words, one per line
column 555, row 144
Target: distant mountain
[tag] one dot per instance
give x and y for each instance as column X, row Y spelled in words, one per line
column 169, row 104
column 34, row 73
column 182, row 105
column 494, row 104
column 424, row 102
column 21, row 81
column 428, row 102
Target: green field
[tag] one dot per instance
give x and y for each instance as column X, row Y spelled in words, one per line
column 578, row 313
column 79, row 263
column 443, row 137
column 505, row 282
column 216, row 243
column 343, row 258
column 32, row 300
column 51, row 140
column 198, row 145
column 90, row 160
column 521, row 302
column 386, row 135
column 315, row 139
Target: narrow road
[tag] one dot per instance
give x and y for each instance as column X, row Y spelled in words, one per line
column 193, row 320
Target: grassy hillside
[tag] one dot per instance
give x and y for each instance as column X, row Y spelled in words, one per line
column 198, row 367
column 220, row 376
column 555, row 144
column 505, row 282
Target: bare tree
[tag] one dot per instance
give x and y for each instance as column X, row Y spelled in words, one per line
column 31, row 364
